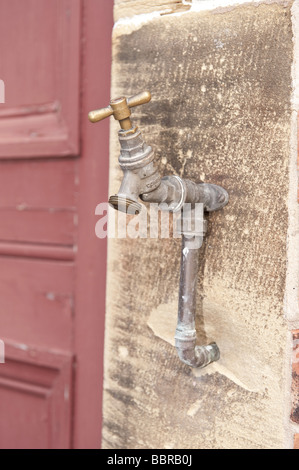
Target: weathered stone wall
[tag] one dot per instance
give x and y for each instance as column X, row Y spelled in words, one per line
column 220, row 112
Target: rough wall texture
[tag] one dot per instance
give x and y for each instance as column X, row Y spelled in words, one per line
column 220, row 112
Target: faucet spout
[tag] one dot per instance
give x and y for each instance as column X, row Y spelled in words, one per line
column 140, row 174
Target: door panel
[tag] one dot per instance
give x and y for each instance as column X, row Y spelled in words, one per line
column 38, row 201
column 40, row 59
column 37, row 301
column 35, row 395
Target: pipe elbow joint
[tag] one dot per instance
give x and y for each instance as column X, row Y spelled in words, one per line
column 193, row 355
column 199, row 356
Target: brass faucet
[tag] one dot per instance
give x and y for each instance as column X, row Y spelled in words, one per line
column 141, row 179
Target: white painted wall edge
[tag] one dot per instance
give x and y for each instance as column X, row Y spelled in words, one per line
column 136, row 21
column 291, row 305
column 292, row 276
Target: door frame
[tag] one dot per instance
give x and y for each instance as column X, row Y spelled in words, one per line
column 93, row 170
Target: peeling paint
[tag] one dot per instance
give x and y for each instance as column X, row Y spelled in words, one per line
column 66, row 393
column 21, row 346
column 51, row 296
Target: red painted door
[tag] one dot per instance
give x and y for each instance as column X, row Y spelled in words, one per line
column 55, row 65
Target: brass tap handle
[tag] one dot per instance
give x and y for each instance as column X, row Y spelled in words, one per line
column 120, row 109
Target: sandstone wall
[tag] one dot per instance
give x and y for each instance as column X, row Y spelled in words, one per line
column 221, row 111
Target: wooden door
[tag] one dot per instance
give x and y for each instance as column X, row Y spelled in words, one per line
column 55, row 65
